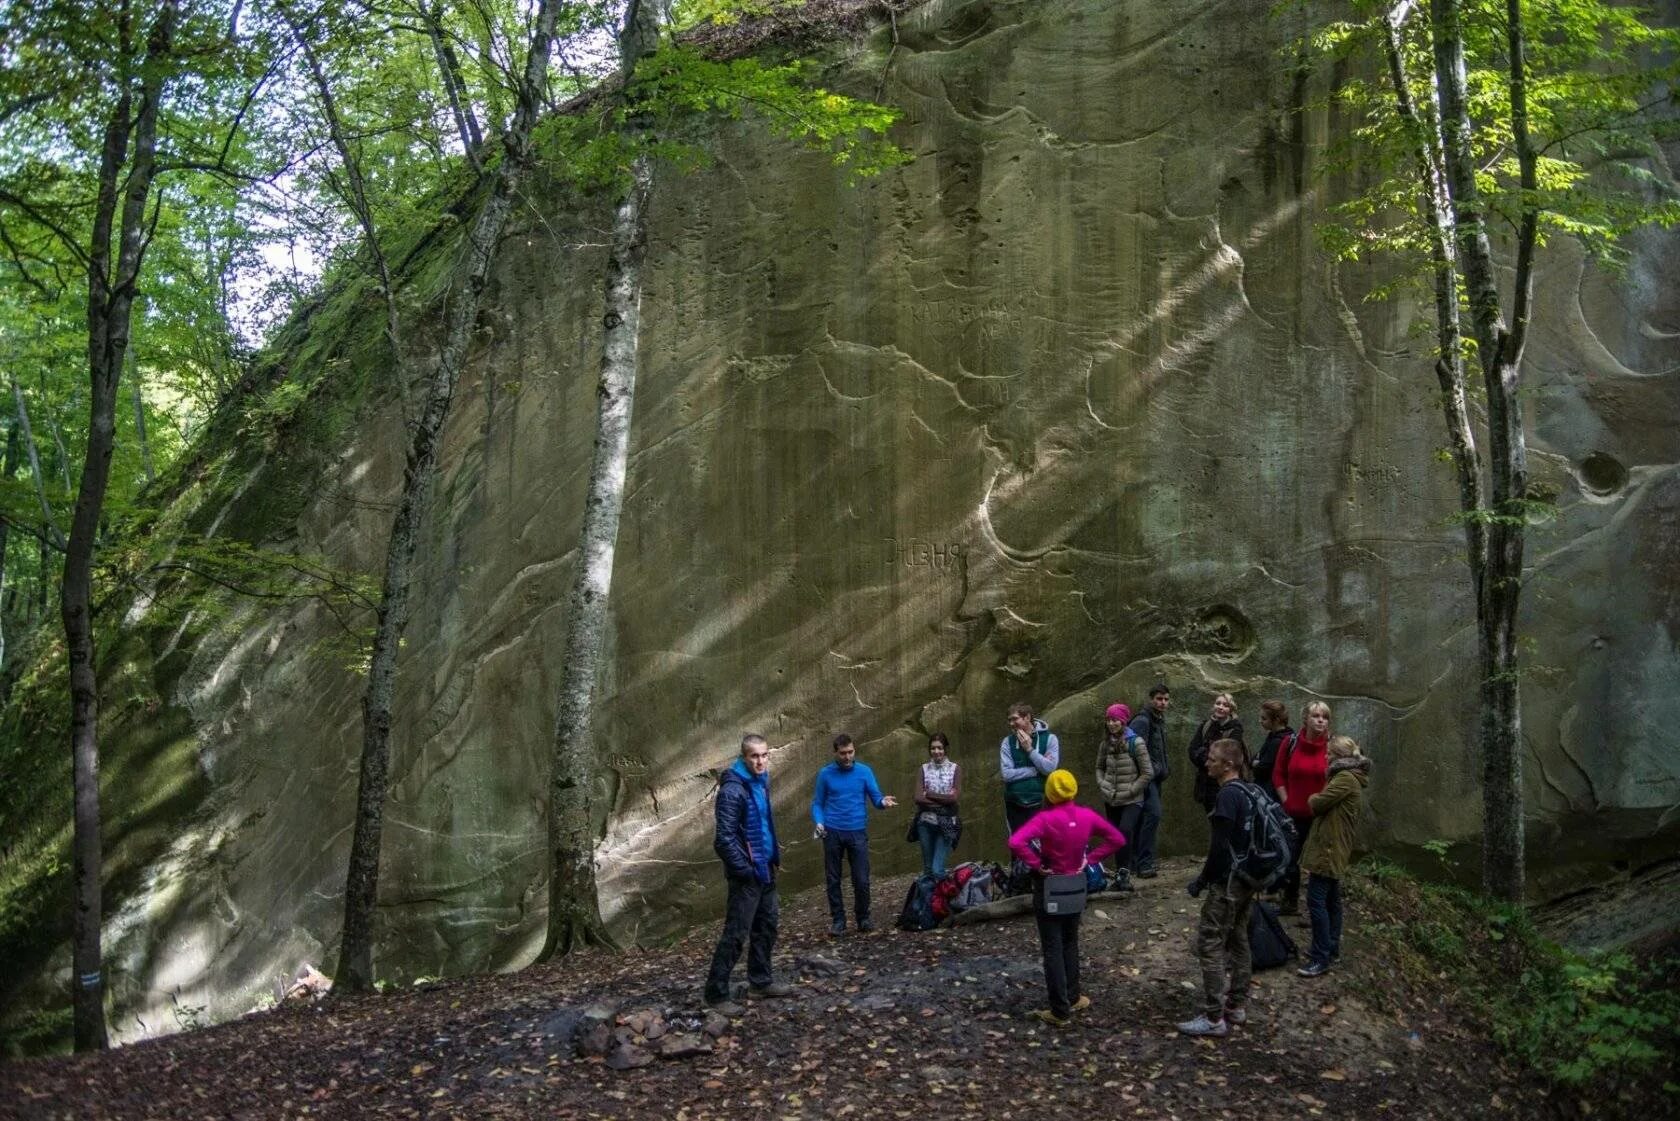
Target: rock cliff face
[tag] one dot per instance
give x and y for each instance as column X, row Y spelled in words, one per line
column 1069, row 404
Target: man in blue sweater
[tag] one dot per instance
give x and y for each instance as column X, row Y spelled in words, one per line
column 840, row 807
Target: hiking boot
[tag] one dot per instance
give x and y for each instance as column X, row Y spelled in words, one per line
column 1313, row 969
column 726, row 1008
column 773, row 989
column 1081, row 1004
column 1236, row 1017
column 1122, row 883
column 838, row 928
column 864, row 926
column 1049, row 1016
column 1201, row 1025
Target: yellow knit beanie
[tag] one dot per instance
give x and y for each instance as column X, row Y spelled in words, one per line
column 1060, row 787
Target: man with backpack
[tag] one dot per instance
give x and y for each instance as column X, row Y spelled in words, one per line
column 1151, row 727
column 1246, row 846
column 1123, row 774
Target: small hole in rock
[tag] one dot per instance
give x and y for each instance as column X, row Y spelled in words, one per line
column 1603, row 474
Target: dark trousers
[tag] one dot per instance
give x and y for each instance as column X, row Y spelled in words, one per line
column 1018, row 816
column 1058, row 937
column 1125, row 819
column 750, row 918
column 1324, row 908
column 1148, row 825
column 853, row 846
column 1291, row 883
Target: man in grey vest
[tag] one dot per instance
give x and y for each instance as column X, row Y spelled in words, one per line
column 1028, row 753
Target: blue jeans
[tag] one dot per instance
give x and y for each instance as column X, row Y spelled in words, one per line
column 935, row 848
column 1324, row 910
column 851, row 845
column 1148, row 825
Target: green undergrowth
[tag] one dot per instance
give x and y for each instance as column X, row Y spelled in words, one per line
column 1602, row 1027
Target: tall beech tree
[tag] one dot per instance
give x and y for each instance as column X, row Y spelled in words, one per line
column 100, row 100
column 574, row 916
column 140, row 60
column 658, row 85
column 1519, row 118
column 355, row 962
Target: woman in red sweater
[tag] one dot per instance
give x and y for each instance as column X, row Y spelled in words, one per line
column 1301, row 771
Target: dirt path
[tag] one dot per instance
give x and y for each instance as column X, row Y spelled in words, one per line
column 910, row 1024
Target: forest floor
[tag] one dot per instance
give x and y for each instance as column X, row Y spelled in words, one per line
column 886, row 1024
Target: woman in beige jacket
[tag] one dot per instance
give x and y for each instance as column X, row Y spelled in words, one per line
column 1329, row 850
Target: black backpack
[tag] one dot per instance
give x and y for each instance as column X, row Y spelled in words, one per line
column 918, row 905
column 1269, row 945
column 1262, row 850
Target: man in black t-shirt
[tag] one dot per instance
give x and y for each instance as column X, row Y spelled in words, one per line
column 1222, row 932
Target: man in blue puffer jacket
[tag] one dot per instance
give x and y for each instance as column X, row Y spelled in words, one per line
column 745, row 840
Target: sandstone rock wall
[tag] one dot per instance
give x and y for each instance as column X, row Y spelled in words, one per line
column 1068, row 404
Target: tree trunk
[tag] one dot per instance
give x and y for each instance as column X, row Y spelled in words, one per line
column 355, row 963
column 1435, row 204
column 449, row 69
column 49, row 528
column 574, row 915
column 1499, row 354
column 140, row 418
column 357, row 199
column 60, row 448
column 7, row 471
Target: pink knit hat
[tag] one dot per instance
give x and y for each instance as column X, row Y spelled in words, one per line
column 1120, row 712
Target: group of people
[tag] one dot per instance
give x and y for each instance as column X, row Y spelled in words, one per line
column 1317, row 779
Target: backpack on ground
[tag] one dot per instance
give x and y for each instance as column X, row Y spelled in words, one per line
column 1019, row 880
column 979, row 889
column 1269, row 944
column 1262, row 851
column 918, row 905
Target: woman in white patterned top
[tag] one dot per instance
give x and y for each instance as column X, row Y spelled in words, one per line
column 937, row 826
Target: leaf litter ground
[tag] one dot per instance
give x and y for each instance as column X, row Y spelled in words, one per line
column 888, row 1024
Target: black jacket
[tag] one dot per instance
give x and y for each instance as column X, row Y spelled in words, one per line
column 1268, row 759
column 1153, row 730
column 731, row 837
column 1206, row 733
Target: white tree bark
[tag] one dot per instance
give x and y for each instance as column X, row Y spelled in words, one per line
column 573, row 907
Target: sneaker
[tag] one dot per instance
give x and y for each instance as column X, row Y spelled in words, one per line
column 773, row 989
column 1236, row 1017
column 1081, row 1004
column 1201, row 1025
column 1050, row 1017
column 1122, row 883
column 726, row 1008
column 838, row 928
column 865, row 926
column 1314, row 969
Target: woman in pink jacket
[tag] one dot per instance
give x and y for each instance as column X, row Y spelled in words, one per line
column 1058, row 841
